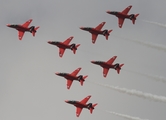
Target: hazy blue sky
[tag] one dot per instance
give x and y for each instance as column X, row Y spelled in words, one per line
column 29, row 88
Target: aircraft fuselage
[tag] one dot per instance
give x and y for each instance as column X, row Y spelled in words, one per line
column 92, row 30
column 19, row 28
column 104, row 64
column 59, row 44
column 77, row 104
column 71, row 77
column 68, row 76
column 121, row 15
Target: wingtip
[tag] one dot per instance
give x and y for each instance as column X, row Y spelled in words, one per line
column 103, row 23
column 129, row 6
column 20, row 38
column 89, row 96
column 60, row 55
column 79, row 68
column 71, row 37
column 104, row 75
column 93, row 41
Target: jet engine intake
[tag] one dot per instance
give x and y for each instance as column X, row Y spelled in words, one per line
column 80, row 77
column 105, row 32
column 32, row 28
column 89, row 106
column 131, row 16
column 116, row 66
column 73, row 46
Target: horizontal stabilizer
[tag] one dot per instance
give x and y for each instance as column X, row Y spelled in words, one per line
column 135, row 16
column 82, row 81
column 118, row 69
column 106, row 36
column 74, row 49
column 91, row 109
column 34, row 31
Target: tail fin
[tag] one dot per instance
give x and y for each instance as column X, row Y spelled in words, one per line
column 118, row 69
column 106, row 35
column 93, row 107
column 135, row 16
column 34, row 31
column 82, row 80
column 74, row 49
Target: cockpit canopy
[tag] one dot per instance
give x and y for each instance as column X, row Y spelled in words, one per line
column 62, row 73
column 72, row 101
column 13, row 25
column 113, row 12
column 87, row 28
column 98, row 61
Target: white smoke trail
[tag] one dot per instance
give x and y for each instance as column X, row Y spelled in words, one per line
column 154, row 77
column 152, row 45
column 156, row 23
column 148, row 44
column 135, row 93
column 126, row 116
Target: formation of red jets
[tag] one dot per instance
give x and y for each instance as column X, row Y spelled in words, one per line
column 106, row 65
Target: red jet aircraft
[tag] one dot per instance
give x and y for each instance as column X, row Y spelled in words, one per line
column 96, row 31
column 82, row 104
column 24, row 28
column 124, row 14
column 73, row 76
column 109, row 64
column 65, row 45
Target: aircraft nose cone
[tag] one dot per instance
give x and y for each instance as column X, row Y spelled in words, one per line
column 66, row 101
column 57, row 73
column 8, row 25
column 82, row 28
column 108, row 11
column 49, row 42
column 92, row 61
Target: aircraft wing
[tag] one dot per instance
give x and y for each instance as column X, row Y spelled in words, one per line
column 78, row 111
column 20, row 34
column 75, row 72
column 26, row 24
column 100, row 26
column 68, row 40
column 61, row 51
column 126, row 10
column 69, row 83
column 120, row 21
column 105, row 71
column 110, row 61
column 94, row 37
column 85, row 100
